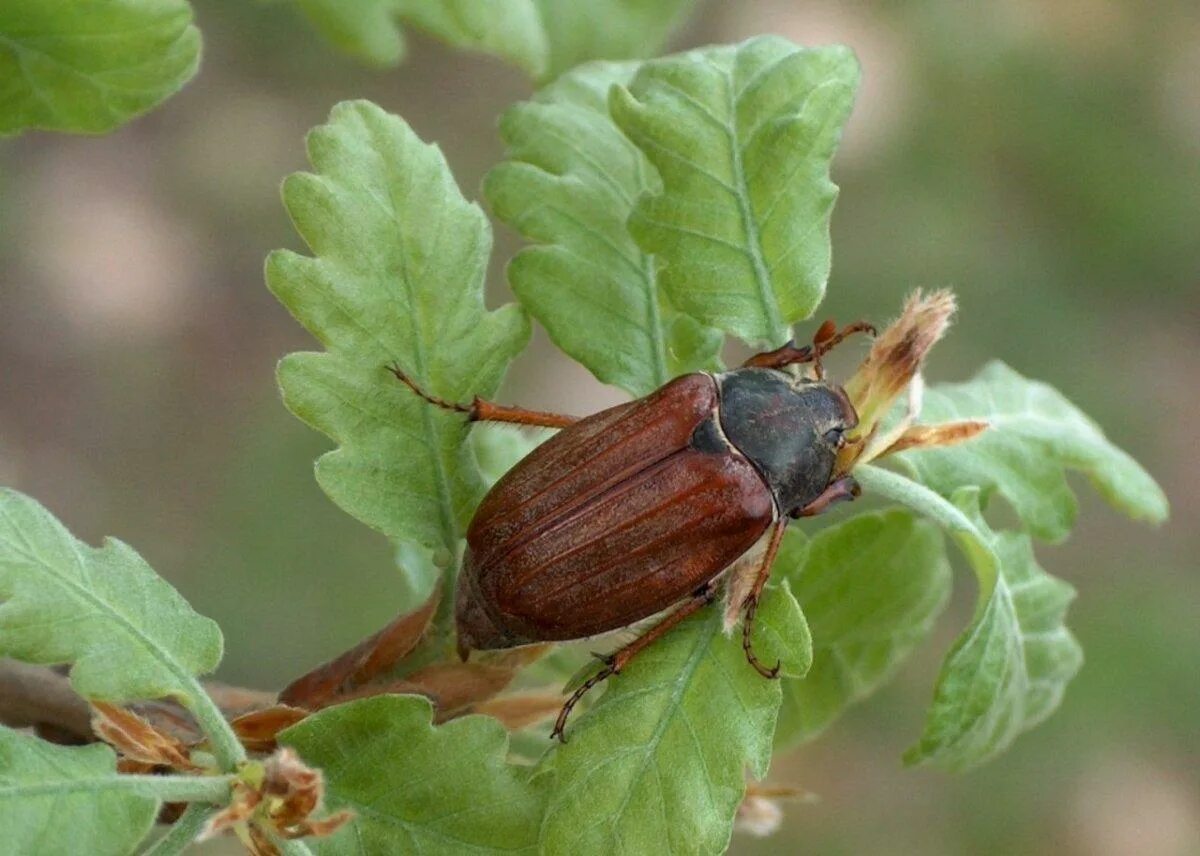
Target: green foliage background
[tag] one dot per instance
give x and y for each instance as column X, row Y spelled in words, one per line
column 1037, row 161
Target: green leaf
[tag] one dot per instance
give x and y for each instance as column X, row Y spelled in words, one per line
column 365, row 29
column 606, row 29
column 60, row 799
column 370, row 31
column 871, row 589
column 88, row 67
column 1007, row 671
column 414, row 787
column 499, row 447
column 128, row 634
column 542, row 37
column 569, row 185
column 511, row 30
column 397, row 277
column 659, row 763
column 742, row 137
column 1036, row 435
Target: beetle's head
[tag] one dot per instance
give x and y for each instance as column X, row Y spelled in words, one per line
column 831, row 413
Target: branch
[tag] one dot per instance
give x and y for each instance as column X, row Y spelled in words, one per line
column 40, row 696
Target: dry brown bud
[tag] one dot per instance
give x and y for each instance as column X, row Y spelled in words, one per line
column 897, row 355
column 139, row 742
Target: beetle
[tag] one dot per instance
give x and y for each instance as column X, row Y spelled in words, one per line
column 648, row 504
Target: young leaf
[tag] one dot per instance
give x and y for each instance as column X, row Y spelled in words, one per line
column 1035, row 436
column 365, row 29
column 542, row 37
column 128, row 634
column 742, row 137
column 90, row 67
column 659, row 763
column 1007, row 671
column 606, row 29
column 59, row 799
column 569, row 185
column 871, row 589
column 397, row 278
column 414, row 787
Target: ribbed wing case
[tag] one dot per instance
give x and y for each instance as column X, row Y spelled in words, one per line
column 612, row 520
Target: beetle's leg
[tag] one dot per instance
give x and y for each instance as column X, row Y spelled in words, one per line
column 829, row 337
column 619, row 659
column 751, row 601
column 480, row 410
column 787, row 355
column 840, row 490
column 826, row 339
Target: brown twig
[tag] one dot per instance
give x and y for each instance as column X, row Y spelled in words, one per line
column 40, row 696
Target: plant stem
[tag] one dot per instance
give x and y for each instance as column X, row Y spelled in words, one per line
column 225, row 745
column 183, row 832
column 193, row 789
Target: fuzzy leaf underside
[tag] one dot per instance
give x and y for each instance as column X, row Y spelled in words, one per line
column 396, row 278
column 542, row 37
column 1007, row 671
column 871, row 589
column 659, row 763
column 1035, row 436
column 742, row 137
column 569, row 184
column 127, row 633
column 416, row 787
column 91, row 67
column 66, row 799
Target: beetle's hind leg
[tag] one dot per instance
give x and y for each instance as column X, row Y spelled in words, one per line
column 619, row 659
column 480, row 410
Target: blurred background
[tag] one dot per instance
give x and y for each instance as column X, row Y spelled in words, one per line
column 1043, row 159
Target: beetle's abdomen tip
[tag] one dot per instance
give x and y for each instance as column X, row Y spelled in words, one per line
column 476, row 628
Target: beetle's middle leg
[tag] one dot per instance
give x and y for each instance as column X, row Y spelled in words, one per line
column 619, row 659
column 481, row 410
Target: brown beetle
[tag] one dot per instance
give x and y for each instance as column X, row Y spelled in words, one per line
column 645, row 505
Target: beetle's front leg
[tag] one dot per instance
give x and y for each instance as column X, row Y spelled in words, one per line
column 480, row 410
column 844, row 489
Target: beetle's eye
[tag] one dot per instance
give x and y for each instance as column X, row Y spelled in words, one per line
column 835, row 437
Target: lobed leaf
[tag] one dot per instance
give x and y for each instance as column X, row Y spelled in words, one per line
column 659, row 763
column 90, row 67
column 568, row 185
column 1007, row 672
column 60, row 799
column 396, row 277
column 871, row 589
column 542, row 37
column 742, row 137
column 364, row 29
column 1036, row 435
column 606, row 29
column 126, row 632
column 414, row 787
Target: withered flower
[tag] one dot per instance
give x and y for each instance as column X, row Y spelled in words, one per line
column 893, row 367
